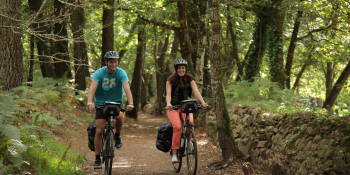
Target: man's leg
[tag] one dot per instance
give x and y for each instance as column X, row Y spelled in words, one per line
column 100, row 126
column 118, row 127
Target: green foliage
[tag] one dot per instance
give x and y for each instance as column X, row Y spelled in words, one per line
column 262, row 92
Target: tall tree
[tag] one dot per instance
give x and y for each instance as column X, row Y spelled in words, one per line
column 230, row 150
column 185, row 45
column 136, row 82
column 333, row 95
column 60, row 45
column 291, row 49
column 274, row 39
column 201, row 50
column 234, row 51
column 41, row 30
column 252, row 67
column 81, row 63
column 11, row 59
column 107, row 30
column 160, row 75
column 31, row 61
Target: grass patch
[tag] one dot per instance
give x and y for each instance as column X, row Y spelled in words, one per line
column 50, row 157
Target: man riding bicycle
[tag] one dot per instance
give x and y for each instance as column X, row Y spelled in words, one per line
column 179, row 86
column 107, row 84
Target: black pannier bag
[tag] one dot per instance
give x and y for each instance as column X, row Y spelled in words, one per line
column 164, row 137
column 91, row 135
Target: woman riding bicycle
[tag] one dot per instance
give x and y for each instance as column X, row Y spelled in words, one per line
column 179, row 86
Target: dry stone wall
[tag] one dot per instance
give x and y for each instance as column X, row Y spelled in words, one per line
column 283, row 144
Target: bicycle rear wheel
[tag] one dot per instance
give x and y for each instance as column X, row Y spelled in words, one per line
column 109, row 153
column 177, row 166
column 191, row 153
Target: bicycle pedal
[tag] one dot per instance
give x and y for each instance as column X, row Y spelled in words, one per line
column 183, row 155
column 96, row 168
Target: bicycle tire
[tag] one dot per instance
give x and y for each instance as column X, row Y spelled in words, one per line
column 191, row 153
column 109, row 153
column 177, row 166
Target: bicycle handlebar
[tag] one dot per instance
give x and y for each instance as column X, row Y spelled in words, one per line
column 123, row 109
column 176, row 107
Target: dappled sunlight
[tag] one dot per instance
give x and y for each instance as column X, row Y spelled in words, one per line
column 202, row 142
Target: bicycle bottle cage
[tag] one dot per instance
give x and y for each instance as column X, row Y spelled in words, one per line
column 189, row 106
column 111, row 108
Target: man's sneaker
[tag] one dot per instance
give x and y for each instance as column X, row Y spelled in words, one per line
column 118, row 142
column 174, row 159
column 97, row 164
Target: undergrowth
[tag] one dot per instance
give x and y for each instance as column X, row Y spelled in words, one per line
column 26, row 145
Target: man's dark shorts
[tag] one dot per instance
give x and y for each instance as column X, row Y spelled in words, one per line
column 100, row 115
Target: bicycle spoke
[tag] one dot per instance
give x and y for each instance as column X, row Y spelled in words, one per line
column 191, row 153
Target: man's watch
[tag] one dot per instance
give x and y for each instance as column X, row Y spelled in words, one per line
column 131, row 104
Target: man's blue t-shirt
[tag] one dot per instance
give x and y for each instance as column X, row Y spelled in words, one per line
column 110, row 87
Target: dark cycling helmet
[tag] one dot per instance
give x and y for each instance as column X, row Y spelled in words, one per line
column 180, row 62
column 111, row 55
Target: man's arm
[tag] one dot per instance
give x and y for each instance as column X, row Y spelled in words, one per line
column 127, row 90
column 91, row 94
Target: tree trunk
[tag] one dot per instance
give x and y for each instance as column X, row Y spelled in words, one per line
column 333, row 95
column 193, row 20
column 46, row 63
column 60, row 46
column 329, row 78
column 173, row 53
column 291, row 49
column 252, row 67
column 31, row 61
column 160, row 77
column 11, row 58
column 202, row 43
column 234, row 51
column 185, row 46
column 81, row 62
column 107, row 30
column 40, row 28
column 137, row 75
column 296, row 83
column 227, row 142
column 275, row 44
column 144, row 90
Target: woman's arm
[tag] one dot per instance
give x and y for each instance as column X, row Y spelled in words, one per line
column 168, row 95
column 197, row 94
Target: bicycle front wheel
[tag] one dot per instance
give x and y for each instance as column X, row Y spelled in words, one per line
column 191, row 153
column 109, row 153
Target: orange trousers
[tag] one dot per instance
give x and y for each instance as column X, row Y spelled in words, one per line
column 174, row 118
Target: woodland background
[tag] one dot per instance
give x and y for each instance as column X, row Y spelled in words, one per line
column 288, row 56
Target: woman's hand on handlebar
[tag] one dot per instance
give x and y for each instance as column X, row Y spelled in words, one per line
column 169, row 106
column 204, row 105
column 91, row 107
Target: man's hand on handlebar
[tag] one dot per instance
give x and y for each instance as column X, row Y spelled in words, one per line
column 204, row 105
column 129, row 107
column 91, row 107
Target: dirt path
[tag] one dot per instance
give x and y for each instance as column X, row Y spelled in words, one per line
column 140, row 156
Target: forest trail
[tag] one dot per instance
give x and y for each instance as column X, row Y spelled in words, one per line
column 139, row 154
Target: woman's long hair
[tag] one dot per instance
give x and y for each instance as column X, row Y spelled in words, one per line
column 175, row 79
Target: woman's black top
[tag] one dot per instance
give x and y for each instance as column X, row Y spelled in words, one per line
column 180, row 92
